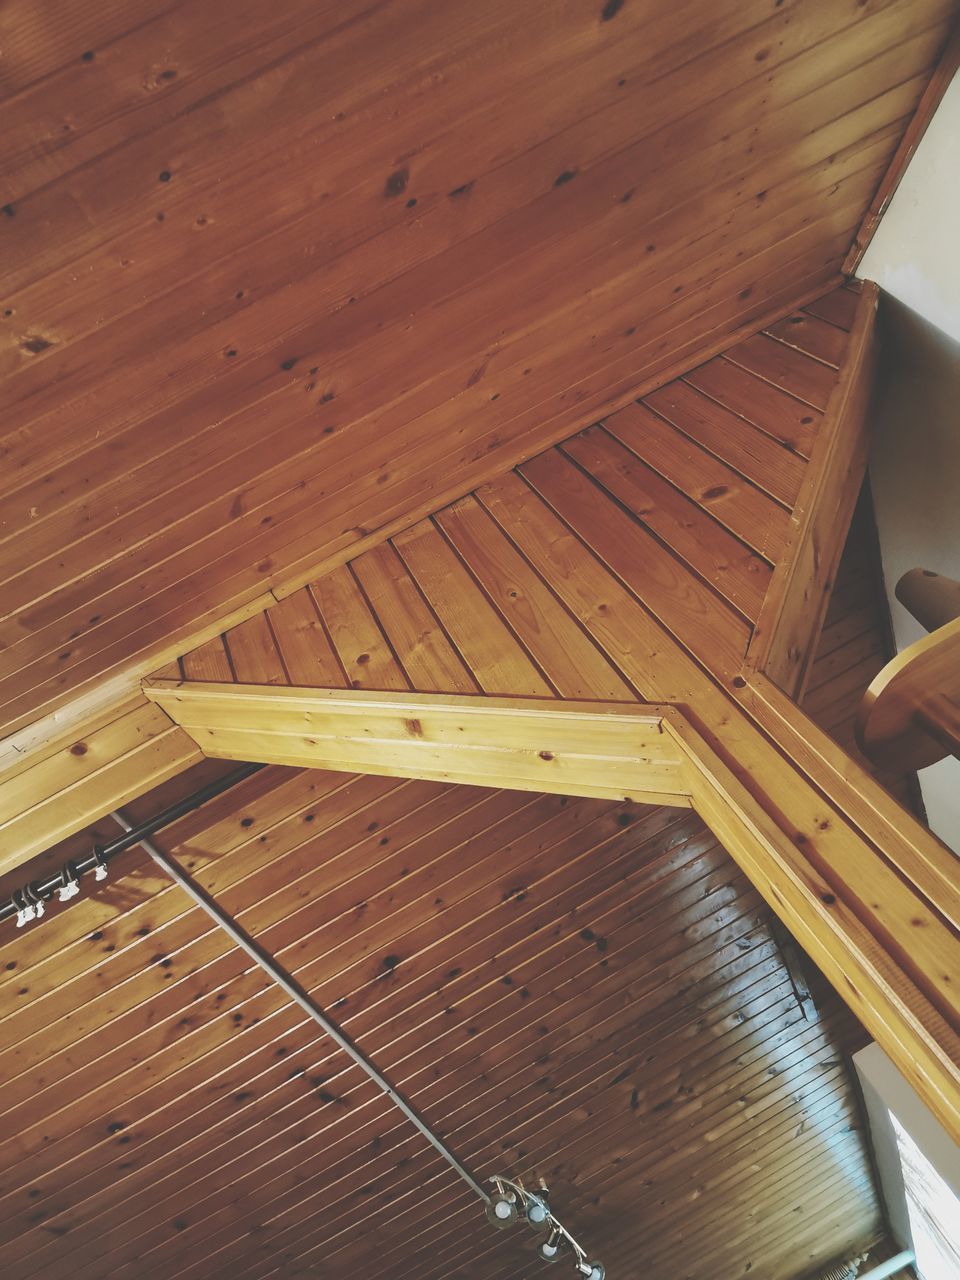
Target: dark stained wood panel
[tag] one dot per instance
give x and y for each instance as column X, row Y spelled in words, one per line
column 272, row 293
column 581, row 989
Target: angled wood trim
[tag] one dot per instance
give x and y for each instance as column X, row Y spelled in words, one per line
column 651, row 752
column 791, row 618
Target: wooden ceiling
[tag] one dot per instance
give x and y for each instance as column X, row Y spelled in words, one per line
column 576, row 988
column 274, row 287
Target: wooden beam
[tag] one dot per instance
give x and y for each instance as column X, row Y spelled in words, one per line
column 887, row 946
column 606, row 750
column 783, row 642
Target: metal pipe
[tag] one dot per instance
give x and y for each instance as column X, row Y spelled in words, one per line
column 891, row 1266
column 292, row 988
column 102, row 854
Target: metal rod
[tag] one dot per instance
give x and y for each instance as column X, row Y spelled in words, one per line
column 300, row 997
column 135, row 834
column 890, row 1267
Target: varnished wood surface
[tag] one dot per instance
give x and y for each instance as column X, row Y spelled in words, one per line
column 571, row 547
column 574, row 988
column 272, row 292
column 784, row 640
column 714, row 461
column 910, row 715
column 496, row 594
column 693, row 487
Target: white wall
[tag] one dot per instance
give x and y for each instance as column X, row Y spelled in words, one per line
column 915, row 459
column 914, row 254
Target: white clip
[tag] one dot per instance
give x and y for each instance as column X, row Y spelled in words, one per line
column 70, row 885
column 24, row 916
column 101, row 870
column 38, row 909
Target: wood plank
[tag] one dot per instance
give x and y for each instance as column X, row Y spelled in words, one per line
column 782, row 206
column 209, row 661
column 732, row 569
column 785, row 366
column 65, row 787
column 683, row 604
column 748, row 450
column 303, row 643
column 422, row 647
column 743, row 509
column 253, row 652
column 794, row 608
column 811, row 335
column 598, row 749
column 363, row 650
column 838, row 307
column 792, row 422
column 486, row 643
column 574, row 666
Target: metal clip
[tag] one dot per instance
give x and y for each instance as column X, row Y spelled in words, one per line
column 25, row 912
column 32, row 895
column 71, row 883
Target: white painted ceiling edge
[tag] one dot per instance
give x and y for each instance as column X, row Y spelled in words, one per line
column 915, row 460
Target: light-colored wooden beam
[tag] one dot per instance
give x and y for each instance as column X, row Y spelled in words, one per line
column 607, row 750
column 887, row 945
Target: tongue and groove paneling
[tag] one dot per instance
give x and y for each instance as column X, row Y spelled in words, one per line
column 273, row 291
column 689, row 492
column 583, row 989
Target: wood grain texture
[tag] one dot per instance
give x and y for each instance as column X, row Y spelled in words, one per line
column 909, row 717
column 270, row 295
column 782, row 646
column 582, row 989
column 585, row 539
column 465, row 613
column 60, row 786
